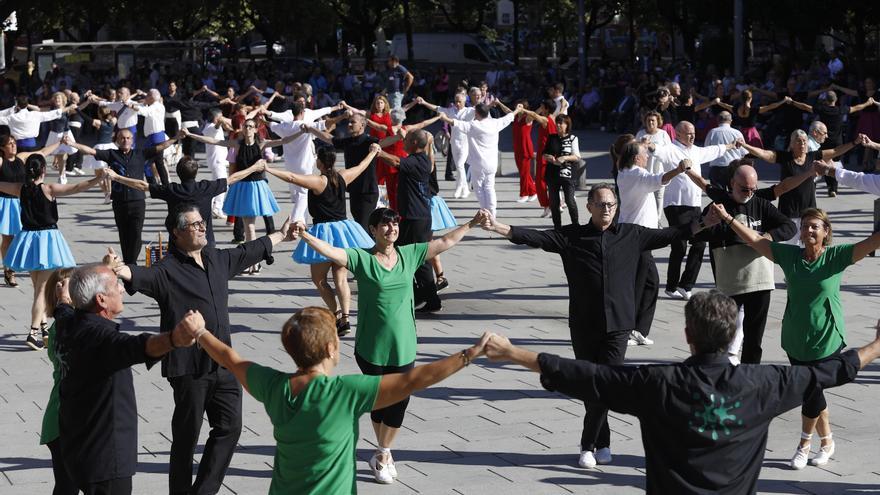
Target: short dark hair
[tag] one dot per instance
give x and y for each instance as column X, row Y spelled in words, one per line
column 482, row 110
column 628, row 155
column 383, row 215
column 549, row 104
column 187, row 168
column 297, row 108
column 710, row 321
column 419, row 138
column 598, row 187
column 176, row 220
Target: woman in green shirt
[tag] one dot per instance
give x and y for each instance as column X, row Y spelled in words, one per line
column 385, row 341
column 812, row 326
column 315, row 414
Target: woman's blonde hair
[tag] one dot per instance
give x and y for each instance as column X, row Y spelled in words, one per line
column 377, row 98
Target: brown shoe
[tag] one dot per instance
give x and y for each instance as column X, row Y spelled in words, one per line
column 9, row 277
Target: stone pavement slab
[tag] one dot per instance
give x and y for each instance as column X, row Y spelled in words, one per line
column 489, row 429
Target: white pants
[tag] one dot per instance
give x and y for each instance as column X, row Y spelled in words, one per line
column 459, row 157
column 483, row 181
column 219, row 170
column 299, row 196
column 736, row 344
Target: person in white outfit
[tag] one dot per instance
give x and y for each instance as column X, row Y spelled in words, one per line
column 723, row 134
column 153, row 111
column 459, row 141
column 653, row 134
column 216, row 156
column 482, row 134
column 24, row 122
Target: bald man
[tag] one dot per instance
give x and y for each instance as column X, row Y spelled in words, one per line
column 682, row 204
column 740, row 272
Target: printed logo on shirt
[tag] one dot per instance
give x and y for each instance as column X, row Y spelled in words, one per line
column 753, row 223
column 713, row 416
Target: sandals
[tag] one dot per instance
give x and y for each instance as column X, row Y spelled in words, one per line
column 442, row 283
column 343, row 327
column 9, row 277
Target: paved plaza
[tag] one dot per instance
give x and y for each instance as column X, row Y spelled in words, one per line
column 491, row 428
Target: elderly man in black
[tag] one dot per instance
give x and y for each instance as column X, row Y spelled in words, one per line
column 129, row 207
column 600, row 261
column 704, row 421
column 194, row 276
column 98, row 413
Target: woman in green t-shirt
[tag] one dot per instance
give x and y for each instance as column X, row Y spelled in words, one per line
column 812, row 326
column 385, row 341
column 315, row 414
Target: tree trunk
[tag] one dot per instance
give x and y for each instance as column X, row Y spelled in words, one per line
column 407, row 22
column 516, row 33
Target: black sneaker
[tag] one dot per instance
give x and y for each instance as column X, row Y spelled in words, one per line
column 429, row 309
column 44, row 332
column 442, row 283
column 450, row 178
column 34, row 340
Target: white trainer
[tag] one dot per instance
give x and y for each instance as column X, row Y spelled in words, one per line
column 522, row 199
column 823, row 456
column 685, row 294
column 673, row 294
column 639, row 338
column 533, row 197
column 801, row 456
column 587, row 460
column 380, row 471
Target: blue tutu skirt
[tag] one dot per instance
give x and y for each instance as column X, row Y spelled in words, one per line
column 34, row 250
column 341, row 234
column 250, row 199
column 10, row 216
column 441, row 217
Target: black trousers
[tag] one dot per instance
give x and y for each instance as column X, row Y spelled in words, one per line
column 599, row 348
column 392, row 415
column 554, row 185
column 119, row 486
column 362, row 205
column 413, row 230
column 129, row 217
column 755, row 306
column 238, row 227
column 647, row 288
column 219, row 395
column 676, row 216
column 831, row 182
column 64, row 485
column 450, row 163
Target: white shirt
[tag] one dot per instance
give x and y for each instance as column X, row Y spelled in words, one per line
column 561, row 105
column 25, row 123
column 637, row 204
column 869, row 183
column 483, row 140
column 154, row 117
column 309, row 115
column 215, row 155
column 724, row 134
column 125, row 116
column 299, row 154
column 658, row 139
column 681, row 190
column 458, row 137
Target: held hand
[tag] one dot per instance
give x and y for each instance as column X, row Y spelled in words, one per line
column 717, row 214
column 287, row 231
column 740, row 143
column 420, row 100
column 182, row 134
column 62, row 292
column 401, row 131
column 498, row 348
column 260, row 165
column 480, row 346
column 684, row 165
column 111, row 259
column 184, row 334
column 299, row 227
column 821, row 168
column 67, row 139
column 375, row 148
column 787, row 100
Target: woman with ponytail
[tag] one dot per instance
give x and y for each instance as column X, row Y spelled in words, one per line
column 39, row 247
column 326, row 202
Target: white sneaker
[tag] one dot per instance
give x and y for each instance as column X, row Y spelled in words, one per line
column 392, row 469
column 522, row 199
column 533, row 197
column 62, row 179
column 823, row 456
column 587, row 460
column 734, row 359
column 640, row 340
column 673, row 294
column 801, row 455
column 546, row 213
column 107, row 199
column 685, row 294
column 380, row 471
column 631, row 342
column 603, row 456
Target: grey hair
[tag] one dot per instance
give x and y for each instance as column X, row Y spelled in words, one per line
column 815, row 125
column 598, row 187
column 155, row 93
column 86, row 283
column 398, row 116
column 797, row 133
column 710, row 320
column 725, row 117
column 180, row 214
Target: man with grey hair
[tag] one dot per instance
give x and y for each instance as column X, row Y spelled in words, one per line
column 704, row 422
column 600, row 260
column 682, row 202
column 195, row 276
column 98, row 412
column 458, row 140
column 153, row 112
column 723, row 134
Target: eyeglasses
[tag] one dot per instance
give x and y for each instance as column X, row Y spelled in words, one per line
column 746, row 190
column 251, row 126
column 198, row 225
column 608, row 205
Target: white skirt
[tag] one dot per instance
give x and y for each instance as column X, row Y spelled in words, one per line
column 90, row 163
column 55, row 137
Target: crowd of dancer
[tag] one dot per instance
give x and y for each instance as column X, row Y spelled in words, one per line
column 388, row 245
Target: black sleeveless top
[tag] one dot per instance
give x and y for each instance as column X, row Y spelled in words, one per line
column 105, row 133
column 61, row 124
column 247, row 155
column 37, row 212
column 11, row 171
column 329, row 206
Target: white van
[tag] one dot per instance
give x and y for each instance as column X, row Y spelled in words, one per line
column 446, row 48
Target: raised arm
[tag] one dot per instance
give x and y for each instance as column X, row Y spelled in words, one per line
column 800, row 106
column 437, row 246
column 755, row 240
column 314, row 183
column 60, row 190
column 792, row 182
column 168, row 142
column 862, row 106
column 846, row 91
column 354, row 110
column 140, row 185
column 537, row 118
column 209, row 140
column 865, row 247
column 397, row 386
column 334, row 254
column 423, row 124
column 318, row 133
column 504, row 108
column 44, row 151
column 88, row 150
column 350, row 174
column 726, row 106
column 258, row 166
column 692, row 175
column 842, row 149
column 281, row 142
column 766, row 155
column 773, row 106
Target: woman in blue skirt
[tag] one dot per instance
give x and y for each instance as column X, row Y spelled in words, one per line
column 12, row 170
column 40, row 248
column 326, row 201
column 251, row 197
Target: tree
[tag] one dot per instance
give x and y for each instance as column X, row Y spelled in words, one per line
column 363, row 17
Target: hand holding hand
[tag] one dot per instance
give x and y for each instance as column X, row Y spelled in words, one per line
column 684, row 165
column 186, row 331
column 717, row 214
column 480, row 346
column 62, row 292
column 375, row 148
column 498, row 347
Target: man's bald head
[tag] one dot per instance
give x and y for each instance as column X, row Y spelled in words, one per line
column 684, row 133
column 746, row 173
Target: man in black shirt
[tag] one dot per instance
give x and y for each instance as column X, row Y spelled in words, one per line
column 600, row 260
column 194, row 276
column 414, row 203
column 704, row 421
column 363, row 192
column 129, row 207
column 200, row 193
column 98, row 412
